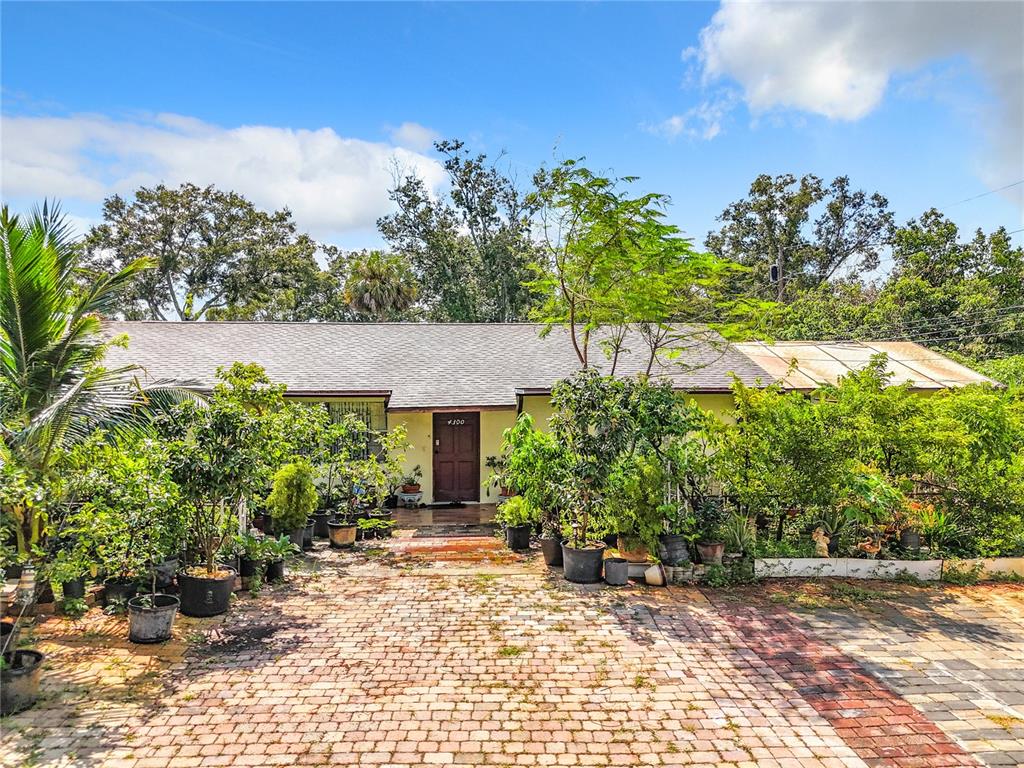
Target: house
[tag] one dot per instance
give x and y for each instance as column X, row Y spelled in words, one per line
column 457, row 386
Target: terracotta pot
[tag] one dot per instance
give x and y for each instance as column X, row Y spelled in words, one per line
column 412, row 488
column 711, row 552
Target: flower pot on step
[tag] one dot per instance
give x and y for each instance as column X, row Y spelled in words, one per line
column 582, row 566
column 711, row 552
column 552, row 549
column 150, row 618
column 19, row 681
column 206, row 595
column 517, row 537
column 616, row 571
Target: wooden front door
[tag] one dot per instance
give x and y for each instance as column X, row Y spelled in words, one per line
column 456, row 457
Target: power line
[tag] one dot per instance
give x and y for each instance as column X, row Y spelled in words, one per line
column 983, row 194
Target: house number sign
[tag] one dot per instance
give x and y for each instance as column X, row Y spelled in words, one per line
column 456, row 422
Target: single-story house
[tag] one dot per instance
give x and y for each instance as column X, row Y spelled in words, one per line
column 457, row 386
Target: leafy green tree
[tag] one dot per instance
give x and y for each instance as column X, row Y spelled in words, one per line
column 471, row 250
column 293, row 497
column 56, row 391
column 773, row 226
column 213, row 252
column 381, row 287
column 617, row 266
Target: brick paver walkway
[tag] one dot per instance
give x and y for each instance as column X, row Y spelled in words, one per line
column 364, row 662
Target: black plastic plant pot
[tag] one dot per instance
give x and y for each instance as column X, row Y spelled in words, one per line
column 320, row 524
column 204, row 596
column 307, row 534
column 298, row 536
column 247, row 567
column 118, row 591
column 582, row 566
column 616, row 571
column 74, row 589
column 151, row 617
column 8, row 635
column 673, row 550
column 165, row 572
column 909, row 539
column 552, row 549
column 275, row 571
column 19, row 681
column 517, row 537
column 341, row 534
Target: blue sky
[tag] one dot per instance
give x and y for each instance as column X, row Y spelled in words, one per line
column 304, row 104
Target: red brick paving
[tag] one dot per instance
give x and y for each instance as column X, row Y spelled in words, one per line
column 355, row 663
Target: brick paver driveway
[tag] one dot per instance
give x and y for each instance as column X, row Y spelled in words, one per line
column 371, row 662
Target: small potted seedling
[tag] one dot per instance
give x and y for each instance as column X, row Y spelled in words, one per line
column 251, row 555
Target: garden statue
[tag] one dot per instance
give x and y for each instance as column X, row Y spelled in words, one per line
column 820, row 542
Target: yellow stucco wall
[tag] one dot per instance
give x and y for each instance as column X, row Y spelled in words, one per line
column 492, row 424
column 539, row 407
column 418, row 425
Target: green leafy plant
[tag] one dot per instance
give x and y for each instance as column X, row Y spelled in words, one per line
column 711, row 517
column 535, row 466
column 74, row 607
column 739, row 534
column 634, row 500
column 375, row 527
column 961, row 574
column 293, row 497
column 413, row 476
column 279, row 548
column 515, row 511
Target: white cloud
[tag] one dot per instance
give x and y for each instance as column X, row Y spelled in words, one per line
column 414, row 136
column 703, row 121
column 332, row 184
column 837, row 59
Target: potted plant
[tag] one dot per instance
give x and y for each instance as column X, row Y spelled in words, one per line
column 69, row 569
column 739, row 535
column 19, row 679
column 680, row 533
column 276, row 551
column 292, row 499
column 518, row 517
column 635, row 492
column 833, row 522
column 411, row 481
column 497, row 478
column 710, row 517
column 534, row 464
column 616, row 569
column 151, row 616
column 251, row 551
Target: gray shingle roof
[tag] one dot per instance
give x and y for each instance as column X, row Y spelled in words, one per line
column 422, row 365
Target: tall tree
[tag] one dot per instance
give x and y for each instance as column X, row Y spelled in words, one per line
column 773, row 227
column 56, row 391
column 618, row 266
column 214, row 251
column 470, row 250
column 380, row 287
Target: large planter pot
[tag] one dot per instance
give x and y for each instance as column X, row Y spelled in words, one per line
column 117, row 591
column 518, row 537
column 13, row 572
column 74, row 589
column 552, row 549
column 204, row 596
column 711, row 552
column 275, row 571
column 616, row 571
column 341, row 534
column 19, row 681
column 150, row 618
column 637, row 554
column 8, row 635
column 320, row 520
column 298, row 536
column 673, row 550
column 165, row 572
column 307, row 534
column 247, row 570
column 910, row 539
column 582, row 566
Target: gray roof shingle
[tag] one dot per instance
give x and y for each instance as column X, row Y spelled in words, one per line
column 422, row 365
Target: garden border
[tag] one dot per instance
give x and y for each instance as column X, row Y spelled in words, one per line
column 860, row 568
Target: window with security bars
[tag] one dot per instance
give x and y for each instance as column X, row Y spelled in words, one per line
column 370, row 412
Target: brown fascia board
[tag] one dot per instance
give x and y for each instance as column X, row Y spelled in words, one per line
column 450, row 408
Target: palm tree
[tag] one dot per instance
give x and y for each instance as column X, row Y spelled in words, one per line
column 54, row 390
column 380, row 287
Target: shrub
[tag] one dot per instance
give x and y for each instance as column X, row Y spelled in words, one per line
column 293, row 497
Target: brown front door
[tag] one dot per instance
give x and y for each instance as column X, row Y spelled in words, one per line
column 456, row 457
